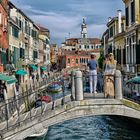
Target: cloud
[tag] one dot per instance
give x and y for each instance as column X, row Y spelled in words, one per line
column 63, row 16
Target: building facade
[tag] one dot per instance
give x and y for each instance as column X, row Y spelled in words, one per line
column 132, row 36
column 73, row 59
column 44, row 47
column 113, row 39
column 3, row 34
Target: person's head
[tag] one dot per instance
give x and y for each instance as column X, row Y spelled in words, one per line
column 106, row 56
column 93, row 56
column 111, row 56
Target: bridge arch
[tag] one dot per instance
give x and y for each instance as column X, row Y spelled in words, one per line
column 71, row 111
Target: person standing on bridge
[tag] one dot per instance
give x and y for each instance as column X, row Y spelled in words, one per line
column 92, row 64
column 110, row 67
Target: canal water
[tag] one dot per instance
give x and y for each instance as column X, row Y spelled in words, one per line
column 94, row 128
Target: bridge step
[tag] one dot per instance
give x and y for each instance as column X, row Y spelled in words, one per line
column 91, row 96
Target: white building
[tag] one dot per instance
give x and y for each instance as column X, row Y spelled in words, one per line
column 83, row 43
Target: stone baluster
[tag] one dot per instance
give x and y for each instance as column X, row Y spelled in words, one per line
column 78, row 86
column 72, row 85
column 118, row 85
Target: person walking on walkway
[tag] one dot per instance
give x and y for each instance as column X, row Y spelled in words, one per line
column 92, row 64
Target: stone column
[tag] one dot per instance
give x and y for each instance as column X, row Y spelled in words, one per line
column 78, row 86
column 72, row 85
column 118, row 85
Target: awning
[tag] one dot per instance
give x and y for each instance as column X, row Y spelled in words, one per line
column 43, row 68
column 21, row 72
column 8, row 79
column 135, row 80
column 33, row 66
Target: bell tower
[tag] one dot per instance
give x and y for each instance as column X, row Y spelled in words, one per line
column 84, row 29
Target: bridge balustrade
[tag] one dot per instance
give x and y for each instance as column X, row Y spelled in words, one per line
column 105, row 85
column 22, row 108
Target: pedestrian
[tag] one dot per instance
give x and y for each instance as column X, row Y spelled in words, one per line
column 100, row 81
column 37, row 77
column 110, row 67
column 33, row 77
column 92, row 64
column 17, row 86
column 43, row 76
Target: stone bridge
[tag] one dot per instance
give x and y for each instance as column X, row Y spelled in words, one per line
column 38, row 119
column 72, row 110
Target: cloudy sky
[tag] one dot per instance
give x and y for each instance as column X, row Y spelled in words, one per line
column 62, row 17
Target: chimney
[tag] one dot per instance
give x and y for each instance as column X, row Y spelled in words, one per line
column 109, row 19
column 119, row 21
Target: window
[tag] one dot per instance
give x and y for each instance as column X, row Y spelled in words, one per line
column 80, row 46
column 22, row 53
column 15, row 32
column 69, row 60
column 35, row 54
column 132, row 11
column 127, row 16
column 34, row 33
column 92, row 47
column 111, row 31
column 76, row 61
column 85, row 46
column 26, row 26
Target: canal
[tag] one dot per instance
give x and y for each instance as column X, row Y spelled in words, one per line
column 94, row 128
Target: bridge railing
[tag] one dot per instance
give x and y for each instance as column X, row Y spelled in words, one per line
column 104, row 85
column 24, row 107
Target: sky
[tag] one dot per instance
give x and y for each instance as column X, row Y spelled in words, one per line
column 64, row 17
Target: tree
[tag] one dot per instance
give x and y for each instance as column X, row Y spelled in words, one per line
column 101, row 59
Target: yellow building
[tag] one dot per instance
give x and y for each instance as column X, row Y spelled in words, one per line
column 132, row 35
column 113, row 38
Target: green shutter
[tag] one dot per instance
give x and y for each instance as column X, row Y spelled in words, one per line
column 3, row 58
column 16, row 57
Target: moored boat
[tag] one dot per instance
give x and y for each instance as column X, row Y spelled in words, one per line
column 54, row 88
